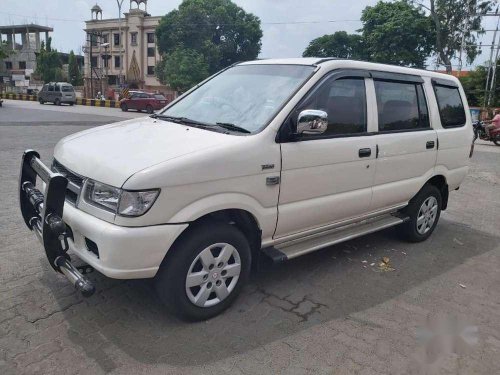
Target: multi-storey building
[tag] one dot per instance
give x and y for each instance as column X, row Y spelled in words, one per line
column 23, row 43
column 122, row 51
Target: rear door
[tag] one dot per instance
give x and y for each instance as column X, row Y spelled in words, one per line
column 328, row 178
column 406, row 143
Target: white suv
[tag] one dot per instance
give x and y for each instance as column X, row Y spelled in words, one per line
column 270, row 157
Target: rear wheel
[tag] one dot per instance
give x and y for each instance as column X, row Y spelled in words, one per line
column 423, row 211
column 124, row 107
column 149, row 109
column 71, row 103
column 57, row 101
column 496, row 141
column 206, row 271
column 40, row 101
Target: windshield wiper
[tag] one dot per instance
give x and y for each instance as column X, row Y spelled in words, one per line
column 229, row 126
column 181, row 120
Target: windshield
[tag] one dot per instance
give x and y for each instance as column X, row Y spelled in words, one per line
column 247, row 96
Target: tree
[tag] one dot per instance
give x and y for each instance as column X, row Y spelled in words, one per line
column 74, row 74
column 397, row 33
column 218, row 30
column 182, row 69
column 474, row 86
column 340, row 44
column 48, row 63
column 457, row 23
column 3, row 50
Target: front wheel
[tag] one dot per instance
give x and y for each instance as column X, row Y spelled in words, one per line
column 496, row 142
column 124, row 107
column 57, row 102
column 149, row 109
column 40, row 101
column 423, row 211
column 204, row 271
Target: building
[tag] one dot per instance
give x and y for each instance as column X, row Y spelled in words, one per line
column 16, row 70
column 122, row 53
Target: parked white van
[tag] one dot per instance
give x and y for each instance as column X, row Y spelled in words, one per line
column 271, row 157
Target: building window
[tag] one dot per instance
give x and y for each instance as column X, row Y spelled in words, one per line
column 8, row 65
column 105, row 38
column 93, row 40
column 105, row 61
column 151, row 52
column 116, row 39
column 133, row 39
column 151, row 37
column 151, row 70
column 93, row 62
column 22, row 64
column 117, row 61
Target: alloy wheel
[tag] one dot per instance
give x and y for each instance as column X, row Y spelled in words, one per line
column 213, row 275
column 427, row 215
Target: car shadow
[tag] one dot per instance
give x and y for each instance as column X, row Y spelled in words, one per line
column 280, row 300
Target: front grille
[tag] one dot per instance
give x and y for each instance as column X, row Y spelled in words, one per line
column 71, row 176
column 72, row 192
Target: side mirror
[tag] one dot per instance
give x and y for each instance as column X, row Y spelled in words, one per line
column 312, row 121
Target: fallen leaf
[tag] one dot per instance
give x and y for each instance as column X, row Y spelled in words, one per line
column 364, row 261
column 458, row 241
column 462, row 286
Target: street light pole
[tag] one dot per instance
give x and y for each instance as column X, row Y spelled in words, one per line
column 120, row 3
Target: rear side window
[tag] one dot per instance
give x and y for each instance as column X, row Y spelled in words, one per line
column 159, row 97
column 451, row 108
column 401, row 106
column 67, row 88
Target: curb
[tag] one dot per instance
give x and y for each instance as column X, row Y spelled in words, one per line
column 79, row 101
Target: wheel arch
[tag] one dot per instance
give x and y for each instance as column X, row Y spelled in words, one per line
column 244, row 220
column 440, row 182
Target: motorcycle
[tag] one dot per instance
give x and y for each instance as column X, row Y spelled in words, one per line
column 480, row 132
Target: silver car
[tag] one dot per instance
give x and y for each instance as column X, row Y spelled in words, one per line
column 57, row 93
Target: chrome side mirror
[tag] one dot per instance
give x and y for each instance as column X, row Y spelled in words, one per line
column 312, row 121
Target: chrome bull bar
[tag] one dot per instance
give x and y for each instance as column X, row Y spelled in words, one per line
column 43, row 215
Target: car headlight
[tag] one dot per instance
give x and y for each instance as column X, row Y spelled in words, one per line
column 118, row 201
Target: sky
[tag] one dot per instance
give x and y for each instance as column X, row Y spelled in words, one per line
column 288, row 25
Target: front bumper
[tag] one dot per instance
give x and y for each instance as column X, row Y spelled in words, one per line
column 118, row 252
column 124, row 252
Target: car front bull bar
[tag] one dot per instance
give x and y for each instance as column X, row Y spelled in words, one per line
column 43, row 215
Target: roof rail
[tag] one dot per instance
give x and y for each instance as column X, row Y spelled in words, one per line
column 325, row 60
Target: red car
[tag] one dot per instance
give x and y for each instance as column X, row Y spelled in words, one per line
column 143, row 101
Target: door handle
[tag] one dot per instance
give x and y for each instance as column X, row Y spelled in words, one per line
column 429, row 144
column 364, row 152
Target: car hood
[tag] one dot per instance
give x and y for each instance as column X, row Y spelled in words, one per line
column 112, row 153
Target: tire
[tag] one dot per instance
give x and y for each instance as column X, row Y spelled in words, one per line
column 124, row 107
column 149, row 109
column 71, row 103
column 207, row 238
column 57, row 102
column 496, row 142
column 415, row 230
column 41, row 101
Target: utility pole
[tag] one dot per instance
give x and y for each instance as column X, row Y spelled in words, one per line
column 491, row 66
column 120, row 3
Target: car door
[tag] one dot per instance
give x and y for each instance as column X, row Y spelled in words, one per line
column 406, row 143
column 327, row 178
column 133, row 103
column 50, row 93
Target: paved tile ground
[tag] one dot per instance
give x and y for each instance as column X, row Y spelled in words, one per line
column 325, row 313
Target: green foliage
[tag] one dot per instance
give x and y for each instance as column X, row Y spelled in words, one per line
column 450, row 17
column 474, row 85
column 218, row 30
column 3, row 50
column 48, row 63
column 74, row 74
column 182, row 69
column 397, row 33
column 340, row 44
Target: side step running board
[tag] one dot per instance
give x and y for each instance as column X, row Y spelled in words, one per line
column 295, row 248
